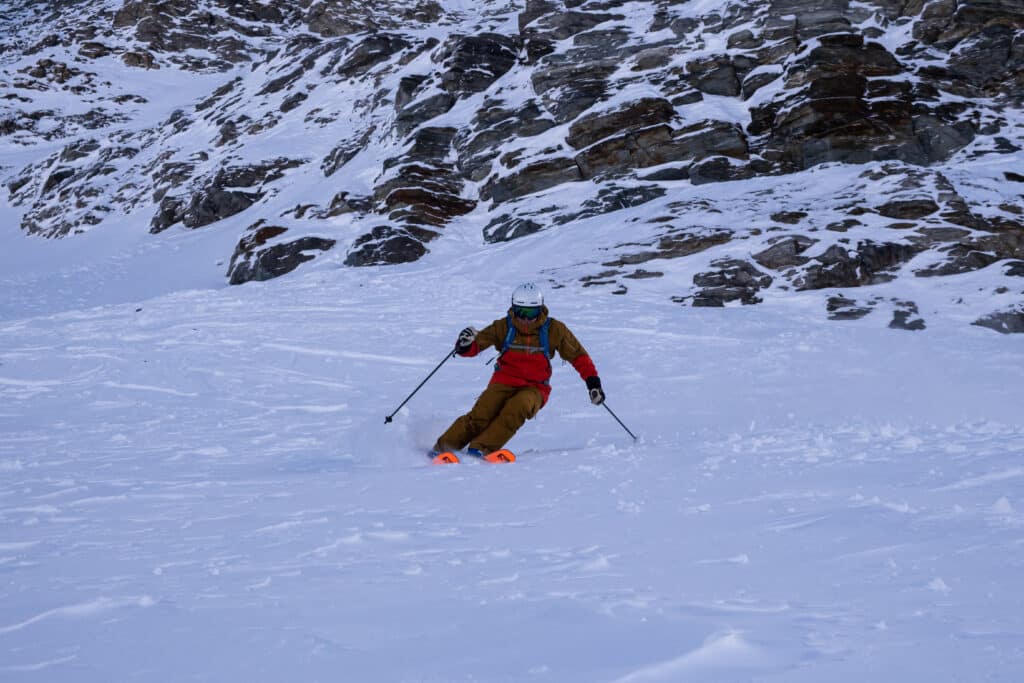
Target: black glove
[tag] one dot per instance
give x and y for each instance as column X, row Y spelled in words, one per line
column 596, row 392
column 465, row 340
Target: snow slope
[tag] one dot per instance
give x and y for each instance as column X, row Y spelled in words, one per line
column 198, row 484
column 196, row 481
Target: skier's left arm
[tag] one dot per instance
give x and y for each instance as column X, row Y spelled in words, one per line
column 570, row 348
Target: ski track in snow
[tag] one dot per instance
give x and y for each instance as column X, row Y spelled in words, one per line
column 799, row 508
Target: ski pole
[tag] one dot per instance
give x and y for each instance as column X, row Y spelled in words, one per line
column 388, row 418
column 618, row 420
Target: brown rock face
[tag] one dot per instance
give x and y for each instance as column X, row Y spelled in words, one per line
column 402, row 131
column 734, row 280
column 644, row 113
column 422, row 192
column 851, row 101
column 535, row 177
column 254, row 260
column 661, row 144
column 869, row 263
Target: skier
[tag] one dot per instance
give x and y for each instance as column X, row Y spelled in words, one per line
column 527, row 339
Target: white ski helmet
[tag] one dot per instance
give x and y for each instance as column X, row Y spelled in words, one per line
column 527, row 294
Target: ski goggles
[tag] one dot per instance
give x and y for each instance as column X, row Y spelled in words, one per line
column 526, row 312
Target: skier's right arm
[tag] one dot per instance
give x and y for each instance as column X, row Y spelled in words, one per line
column 477, row 340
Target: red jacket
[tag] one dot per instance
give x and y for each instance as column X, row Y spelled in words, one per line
column 524, row 364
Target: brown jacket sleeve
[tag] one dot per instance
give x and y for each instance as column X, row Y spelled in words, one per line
column 570, row 348
column 565, row 342
column 492, row 335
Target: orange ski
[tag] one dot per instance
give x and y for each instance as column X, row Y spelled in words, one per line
column 446, row 458
column 500, row 456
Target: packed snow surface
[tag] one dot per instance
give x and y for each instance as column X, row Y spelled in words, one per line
column 199, row 484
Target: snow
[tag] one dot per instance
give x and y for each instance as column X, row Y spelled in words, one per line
column 198, row 483
column 200, row 486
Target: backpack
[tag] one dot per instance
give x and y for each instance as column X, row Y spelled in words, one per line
column 511, row 335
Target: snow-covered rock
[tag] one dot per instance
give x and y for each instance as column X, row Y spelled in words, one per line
column 377, row 129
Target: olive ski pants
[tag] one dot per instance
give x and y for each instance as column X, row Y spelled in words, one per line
column 494, row 419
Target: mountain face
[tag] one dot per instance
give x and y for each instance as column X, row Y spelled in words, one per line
column 773, row 145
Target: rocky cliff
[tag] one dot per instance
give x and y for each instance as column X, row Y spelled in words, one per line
column 774, row 145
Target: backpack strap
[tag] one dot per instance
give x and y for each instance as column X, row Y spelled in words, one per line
column 510, row 337
column 544, row 339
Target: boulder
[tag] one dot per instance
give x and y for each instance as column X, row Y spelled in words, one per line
column 253, row 260
column 870, row 263
column 734, row 280
column 677, row 244
column 421, row 191
column 660, row 144
column 506, row 228
column 544, row 23
column 281, row 82
column 613, row 198
column 93, row 50
column 196, row 38
column 643, row 113
column 533, row 10
column 533, row 178
column 371, row 51
column 905, row 317
column 568, row 88
column 56, row 179
column 331, row 20
column 757, row 80
column 788, row 217
column 475, row 62
column 818, row 22
column 961, row 258
column 52, row 71
column 221, row 197
column 346, row 17
column 426, row 189
column 293, row 101
column 708, row 138
column 635, row 149
column 422, row 110
column 842, row 308
column 386, row 245
column 1010, row 321
column 653, row 58
column 938, row 139
column 344, row 202
column 669, row 173
column 714, row 76
column 979, row 252
column 718, row 169
column 479, row 144
column 927, row 238
column 744, row 40
column 842, row 55
column 908, row 209
column 407, row 87
column 785, row 252
column 213, row 203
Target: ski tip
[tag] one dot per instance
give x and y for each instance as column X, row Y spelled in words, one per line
column 446, row 458
column 500, row 456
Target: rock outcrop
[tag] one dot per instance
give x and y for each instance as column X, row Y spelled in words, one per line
column 261, row 254
column 701, row 132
